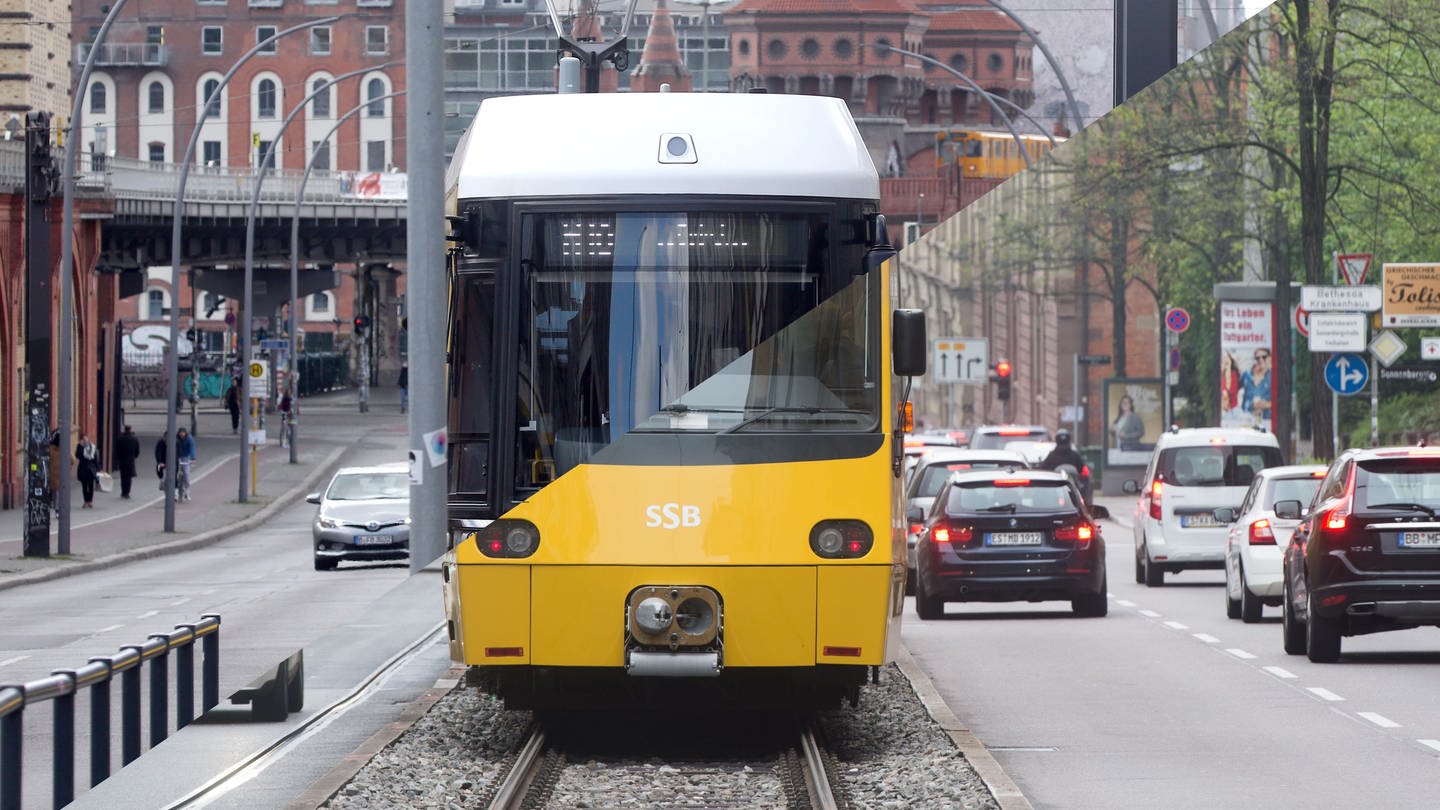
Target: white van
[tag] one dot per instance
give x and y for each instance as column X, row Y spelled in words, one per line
column 1193, row 472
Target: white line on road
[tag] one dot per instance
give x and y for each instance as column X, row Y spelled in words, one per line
column 1379, row 719
column 1177, row 626
column 1150, row 613
column 1239, row 653
column 1206, row 637
column 179, row 602
column 108, row 629
column 17, row 659
column 1124, row 603
column 1430, row 744
column 147, row 614
column 1324, row 694
column 1280, row 672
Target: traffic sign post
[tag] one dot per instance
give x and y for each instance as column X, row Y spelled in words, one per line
column 1347, row 374
column 961, row 360
column 1354, row 267
column 1430, row 348
column 1177, row 320
column 1325, row 298
column 1337, row 332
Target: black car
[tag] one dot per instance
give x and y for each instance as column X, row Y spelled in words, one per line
column 1009, row 536
column 1365, row 557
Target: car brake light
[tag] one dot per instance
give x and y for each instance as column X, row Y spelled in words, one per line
column 1335, row 519
column 947, row 535
column 1085, row 471
column 1155, row 490
column 916, row 528
column 1012, row 482
column 1081, row 533
column 1261, row 533
column 1318, row 474
column 1014, row 432
column 1217, row 439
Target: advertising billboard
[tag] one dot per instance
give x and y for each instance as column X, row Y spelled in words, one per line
column 1247, row 347
column 1134, row 419
column 1411, row 294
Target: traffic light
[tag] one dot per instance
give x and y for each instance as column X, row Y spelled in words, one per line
column 362, row 324
column 1000, row 375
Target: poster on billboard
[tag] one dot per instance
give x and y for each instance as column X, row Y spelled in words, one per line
column 1247, row 343
column 1135, row 418
column 1411, row 294
column 374, row 185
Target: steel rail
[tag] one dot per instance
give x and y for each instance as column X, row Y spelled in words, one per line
column 816, row 776
column 516, row 784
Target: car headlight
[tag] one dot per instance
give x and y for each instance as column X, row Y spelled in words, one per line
column 328, row 523
column 407, row 520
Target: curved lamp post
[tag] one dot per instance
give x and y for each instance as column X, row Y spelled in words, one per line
column 705, row 6
column 67, row 284
column 1049, row 57
column 172, row 363
column 1027, row 116
column 295, row 253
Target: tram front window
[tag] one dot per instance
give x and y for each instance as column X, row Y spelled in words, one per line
column 702, row 323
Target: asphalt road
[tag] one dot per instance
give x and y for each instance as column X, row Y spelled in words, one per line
column 1166, row 703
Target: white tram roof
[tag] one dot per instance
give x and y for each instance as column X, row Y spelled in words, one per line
column 593, row 144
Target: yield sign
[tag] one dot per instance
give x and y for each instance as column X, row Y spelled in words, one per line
column 1354, row 266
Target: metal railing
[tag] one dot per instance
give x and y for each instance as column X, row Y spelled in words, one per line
column 62, row 687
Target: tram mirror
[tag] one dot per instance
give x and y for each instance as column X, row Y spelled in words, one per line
column 466, row 228
column 881, row 251
column 908, row 344
column 875, row 258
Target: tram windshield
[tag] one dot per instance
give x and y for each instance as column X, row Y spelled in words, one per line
column 690, row 323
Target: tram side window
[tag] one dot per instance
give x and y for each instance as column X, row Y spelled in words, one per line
column 472, row 380
column 974, row 149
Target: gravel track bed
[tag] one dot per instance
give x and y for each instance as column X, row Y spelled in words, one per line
column 890, row 752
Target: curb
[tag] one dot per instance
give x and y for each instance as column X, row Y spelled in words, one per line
column 325, row 467
column 1007, row 794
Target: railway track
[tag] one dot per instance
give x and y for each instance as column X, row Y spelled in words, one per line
column 803, row 775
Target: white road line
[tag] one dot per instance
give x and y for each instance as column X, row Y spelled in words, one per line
column 1280, row 672
column 147, row 614
column 1435, row 744
column 1324, row 694
column 1177, row 626
column 1379, row 719
column 1124, row 603
column 1150, row 613
column 17, row 659
column 108, row 629
column 1239, row 653
column 1206, row 637
column 179, row 602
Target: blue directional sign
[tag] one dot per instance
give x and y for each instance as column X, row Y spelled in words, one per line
column 1347, row 374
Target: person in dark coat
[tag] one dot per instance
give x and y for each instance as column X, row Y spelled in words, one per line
column 87, row 468
column 232, row 404
column 160, row 452
column 127, row 450
column 404, row 383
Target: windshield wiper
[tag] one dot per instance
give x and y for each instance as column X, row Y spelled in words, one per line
column 768, row 412
column 1414, row 507
column 1002, row 507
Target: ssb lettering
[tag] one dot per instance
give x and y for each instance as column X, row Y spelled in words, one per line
column 671, row 516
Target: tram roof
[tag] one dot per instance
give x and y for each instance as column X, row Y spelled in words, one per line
column 605, row 144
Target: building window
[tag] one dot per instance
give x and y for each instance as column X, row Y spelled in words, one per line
column 262, row 33
column 155, row 35
column 97, row 97
column 994, row 62
column 374, row 156
column 744, row 47
column 266, row 99
column 156, row 92
column 155, row 305
column 363, row 3
column 212, row 97
column 157, row 152
column 320, row 303
column 377, row 39
column 844, row 48
column 810, row 49
column 959, row 62
column 320, row 155
column 210, row 154
column 320, row 40
column 320, row 103
column 777, row 49
column 374, row 89
column 262, row 151
column 882, row 54
column 212, row 39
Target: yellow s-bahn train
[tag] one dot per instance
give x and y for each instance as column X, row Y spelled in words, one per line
column 988, row 155
column 673, row 399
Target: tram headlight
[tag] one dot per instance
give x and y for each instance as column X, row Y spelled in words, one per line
column 508, row 538
column 841, row 539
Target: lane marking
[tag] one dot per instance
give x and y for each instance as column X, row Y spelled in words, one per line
column 17, row 659
column 1430, row 744
column 1280, row 672
column 108, row 629
column 147, row 614
column 1177, row 626
column 179, row 602
column 1124, row 603
column 1206, row 637
column 1379, row 719
column 1324, row 694
column 1239, row 653
column 1150, row 613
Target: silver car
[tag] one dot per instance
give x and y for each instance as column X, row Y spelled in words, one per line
column 364, row 515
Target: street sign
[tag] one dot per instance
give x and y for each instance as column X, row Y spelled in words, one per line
column 1174, row 360
column 1430, row 348
column 1387, row 347
column 1354, row 266
column 1337, row 332
column 259, row 387
column 1412, row 294
column 275, row 343
column 1177, row 320
column 1421, row 377
column 1347, row 374
column 1320, row 298
column 1302, row 320
column 1094, row 360
column 961, row 360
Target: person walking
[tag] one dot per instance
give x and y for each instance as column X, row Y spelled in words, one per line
column 87, row 468
column 160, row 451
column 127, row 450
column 232, row 404
column 404, row 383
column 184, row 458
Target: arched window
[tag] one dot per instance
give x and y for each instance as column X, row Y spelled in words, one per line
column 266, row 99
column 374, row 89
column 320, row 303
column 155, row 305
column 97, row 97
column 321, row 101
column 212, row 96
column 156, row 91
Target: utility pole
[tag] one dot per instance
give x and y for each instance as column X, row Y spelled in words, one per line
column 39, row 171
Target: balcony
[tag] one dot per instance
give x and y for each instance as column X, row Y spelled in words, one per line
column 126, row 54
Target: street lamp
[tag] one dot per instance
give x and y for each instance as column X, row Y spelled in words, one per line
column 172, row 362
column 705, row 35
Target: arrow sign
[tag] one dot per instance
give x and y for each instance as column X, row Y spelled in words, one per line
column 1347, row 374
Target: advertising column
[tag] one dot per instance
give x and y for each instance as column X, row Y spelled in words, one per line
column 1247, row 346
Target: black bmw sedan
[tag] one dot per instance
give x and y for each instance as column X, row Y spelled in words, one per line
column 1010, row 536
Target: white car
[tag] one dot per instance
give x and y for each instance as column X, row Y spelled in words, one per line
column 1193, row 472
column 1255, row 545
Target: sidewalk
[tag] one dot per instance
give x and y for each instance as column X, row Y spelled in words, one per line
column 118, row 530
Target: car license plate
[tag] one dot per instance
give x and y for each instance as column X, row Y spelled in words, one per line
column 373, row 539
column 1204, row 520
column 1014, row 538
column 1420, row 539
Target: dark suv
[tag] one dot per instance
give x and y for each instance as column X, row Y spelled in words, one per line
column 1365, row 557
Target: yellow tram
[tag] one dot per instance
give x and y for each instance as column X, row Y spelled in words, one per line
column 673, row 403
column 980, row 154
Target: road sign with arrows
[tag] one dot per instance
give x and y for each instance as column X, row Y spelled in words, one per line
column 1347, row 374
column 961, row 360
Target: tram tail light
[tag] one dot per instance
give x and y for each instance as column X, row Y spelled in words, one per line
column 1261, row 534
column 841, row 539
column 508, row 539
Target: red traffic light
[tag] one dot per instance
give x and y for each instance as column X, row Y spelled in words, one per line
column 1002, row 369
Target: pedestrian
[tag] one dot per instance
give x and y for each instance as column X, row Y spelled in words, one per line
column 184, row 458
column 53, row 476
column 87, row 468
column 404, row 383
column 127, row 450
column 232, row 404
column 160, row 451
